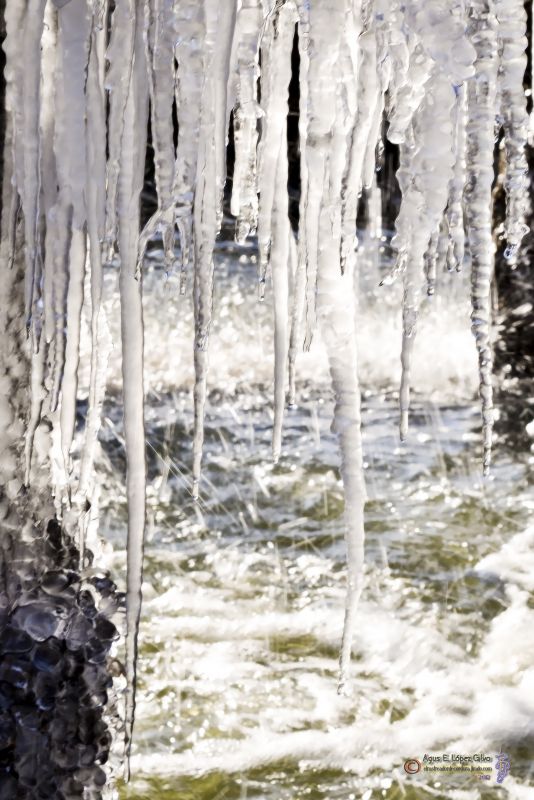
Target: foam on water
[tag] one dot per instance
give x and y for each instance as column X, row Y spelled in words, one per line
column 244, row 592
column 415, row 690
column 241, row 352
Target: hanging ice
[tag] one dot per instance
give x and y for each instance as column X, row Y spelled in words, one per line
column 274, row 230
column 439, row 78
column 481, row 98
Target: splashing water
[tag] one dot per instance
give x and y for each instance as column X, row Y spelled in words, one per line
column 82, row 81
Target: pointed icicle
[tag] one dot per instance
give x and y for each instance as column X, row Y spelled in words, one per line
column 330, row 294
column 191, row 28
column 273, row 221
column 38, row 395
column 120, row 57
column 69, row 151
column 335, row 307
column 365, row 62
column 512, row 29
column 298, row 278
column 69, row 385
column 303, row 30
column 455, row 204
column 48, row 187
column 29, row 144
column 480, row 141
column 427, row 162
column 244, row 202
column 431, row 159
column 276, row 74
column 431, row 263
column 336, row 315
column 347, row 93
column 160, row 37
column 60, row 282
column 423, row 203
column 279, row 258
column 322, row 80
column 211, row 175
column 130, row 184
column 95, row 199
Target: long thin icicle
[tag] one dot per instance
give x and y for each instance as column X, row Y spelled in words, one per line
column 95, row 200
column 298, row 280
column 455, row 205
column 276, row 74
column 220, row 21
column 512, row 28
column 130, row 184
column 120, row 56
column 244, row 203
column 29, row 134
column 480, row 140
column 273, row 221
column 160, row 38
column 191, row 29
column 69, row 383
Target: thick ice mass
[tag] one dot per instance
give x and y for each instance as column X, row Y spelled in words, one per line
column 441, row 79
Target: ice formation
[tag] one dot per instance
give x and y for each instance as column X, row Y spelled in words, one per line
column 442, row 78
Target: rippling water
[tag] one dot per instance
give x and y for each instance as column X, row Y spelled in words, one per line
column 244, row 592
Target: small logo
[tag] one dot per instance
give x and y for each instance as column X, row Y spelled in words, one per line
column 502, row 765
column 412, row 766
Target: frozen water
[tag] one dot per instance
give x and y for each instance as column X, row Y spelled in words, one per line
column 444, row 76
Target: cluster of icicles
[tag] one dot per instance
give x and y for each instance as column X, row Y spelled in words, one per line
column 83, row 79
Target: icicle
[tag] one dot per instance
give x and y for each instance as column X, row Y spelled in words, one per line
column 431, row 263
column 279, row 257
column 130, row 184
column 73, row 44
column 191, row 28
column 368, row 87
column 322, row 83
column 276, row 74
column 244, row 203
column 37, row 394
column 427, row 161
column 298, row 276
column 161, row 38
column 208, row 197
column 431, row 159
column 29, row 142
column 303, row 29
column 120, row 58
column 273, row 221
column 69, row 384
column 69, row 150
column 346, row 106
column 480, row 141
column 356, row 57
column 455, row 208
column 48, row 189
column 95, row 198
column 328, row 111
column 336, row 314
column 512, row 27
column 60, row 281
